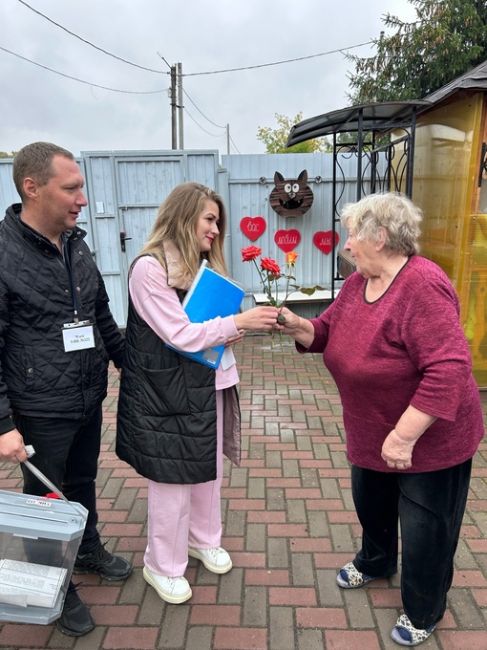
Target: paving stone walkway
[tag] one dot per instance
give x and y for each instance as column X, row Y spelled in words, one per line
column 289, row 524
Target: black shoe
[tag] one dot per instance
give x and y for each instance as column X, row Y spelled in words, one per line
column 75, row 618
column 99, row 560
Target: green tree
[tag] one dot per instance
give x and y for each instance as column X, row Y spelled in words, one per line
column 5, row 154
column 275, row 139
column 447, row 38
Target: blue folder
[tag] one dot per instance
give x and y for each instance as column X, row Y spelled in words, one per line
column 209, row 296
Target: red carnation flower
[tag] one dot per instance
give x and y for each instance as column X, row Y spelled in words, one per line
column 250, row 253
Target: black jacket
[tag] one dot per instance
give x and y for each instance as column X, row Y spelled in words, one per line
column 166, row 416
column 37, row 377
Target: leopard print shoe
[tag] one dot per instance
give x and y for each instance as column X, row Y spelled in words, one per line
column 351, row 578
column 404, row 632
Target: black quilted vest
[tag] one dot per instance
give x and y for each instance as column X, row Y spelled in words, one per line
column 38, row 378
column 166, row 419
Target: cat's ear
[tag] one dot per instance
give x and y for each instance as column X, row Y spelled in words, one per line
column 278, row 178
column 303, row 177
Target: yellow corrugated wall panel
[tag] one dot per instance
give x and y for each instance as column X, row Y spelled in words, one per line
column 446, row 166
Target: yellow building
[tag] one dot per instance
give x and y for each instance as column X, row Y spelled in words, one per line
column 450, row 185
column 434, row 150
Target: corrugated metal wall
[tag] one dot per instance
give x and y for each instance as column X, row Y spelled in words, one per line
column 8, row 193
column 125, row 189
column 251, row 180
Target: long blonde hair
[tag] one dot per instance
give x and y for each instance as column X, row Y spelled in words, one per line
column 176, row 222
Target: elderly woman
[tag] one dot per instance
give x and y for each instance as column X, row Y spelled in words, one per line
column 395, row 347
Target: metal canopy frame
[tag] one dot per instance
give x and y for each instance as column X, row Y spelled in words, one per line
column 383, row 146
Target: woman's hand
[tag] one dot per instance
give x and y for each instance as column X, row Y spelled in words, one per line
column 397, row 451
column 299, row 328
column 258, row 318
column 287, row 321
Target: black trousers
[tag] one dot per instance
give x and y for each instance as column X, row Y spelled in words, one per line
column 429, row 507
column 67, row 453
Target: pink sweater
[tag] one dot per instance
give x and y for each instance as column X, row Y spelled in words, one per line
column 159, row 306
column 405, row 348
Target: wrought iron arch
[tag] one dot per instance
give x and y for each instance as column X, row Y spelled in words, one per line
column 381, row 138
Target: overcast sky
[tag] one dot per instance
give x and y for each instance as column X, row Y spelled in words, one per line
column 205, row 36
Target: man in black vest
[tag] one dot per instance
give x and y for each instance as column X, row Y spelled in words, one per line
column 57, row 335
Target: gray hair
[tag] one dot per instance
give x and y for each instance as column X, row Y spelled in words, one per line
column 34, row 161
column 394, row 212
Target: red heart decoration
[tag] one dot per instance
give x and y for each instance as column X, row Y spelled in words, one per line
column 253, row 227
column 287, row 240
column 323, row 240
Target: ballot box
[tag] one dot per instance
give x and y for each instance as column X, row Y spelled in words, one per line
column 39, row 541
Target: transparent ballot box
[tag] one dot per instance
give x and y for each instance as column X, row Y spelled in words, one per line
column 39, row 541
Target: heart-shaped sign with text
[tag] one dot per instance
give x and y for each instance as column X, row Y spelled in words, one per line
column 323, row 240
column 253, row 227
column 287, row 240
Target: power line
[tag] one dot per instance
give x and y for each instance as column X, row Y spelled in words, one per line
column 219, row 126
column 234, row 145
column 213, row 135
column 83, row 81
column 266, row 65
column 115, row 56
column 193, row 74
column 101, row 49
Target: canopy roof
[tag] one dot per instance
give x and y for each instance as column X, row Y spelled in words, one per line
column 383, row 116
column 475, row 79
column 380, row 116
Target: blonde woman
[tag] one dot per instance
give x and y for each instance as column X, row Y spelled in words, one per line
column 177, row 417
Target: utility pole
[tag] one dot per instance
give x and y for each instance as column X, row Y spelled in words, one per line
column 228, row 139
column 180, row 105
column 174, row 141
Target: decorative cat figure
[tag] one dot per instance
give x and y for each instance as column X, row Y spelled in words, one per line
column 291, row 197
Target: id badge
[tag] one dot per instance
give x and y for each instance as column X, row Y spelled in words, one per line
column 78, row 336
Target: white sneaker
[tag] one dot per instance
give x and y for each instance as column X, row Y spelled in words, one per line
column 215, row 560
column 172, row 590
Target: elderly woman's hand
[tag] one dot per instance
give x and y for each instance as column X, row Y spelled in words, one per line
column 287, row 321
column 397, row 451
column 299, row 328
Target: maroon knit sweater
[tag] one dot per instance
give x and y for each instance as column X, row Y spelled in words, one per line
column 405, row 348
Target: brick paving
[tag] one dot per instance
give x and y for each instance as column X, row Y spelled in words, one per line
column 289, row 524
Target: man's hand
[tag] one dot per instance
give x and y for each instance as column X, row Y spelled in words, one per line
column 12, row 447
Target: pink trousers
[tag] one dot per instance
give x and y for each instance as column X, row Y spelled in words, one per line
column 184, row 515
